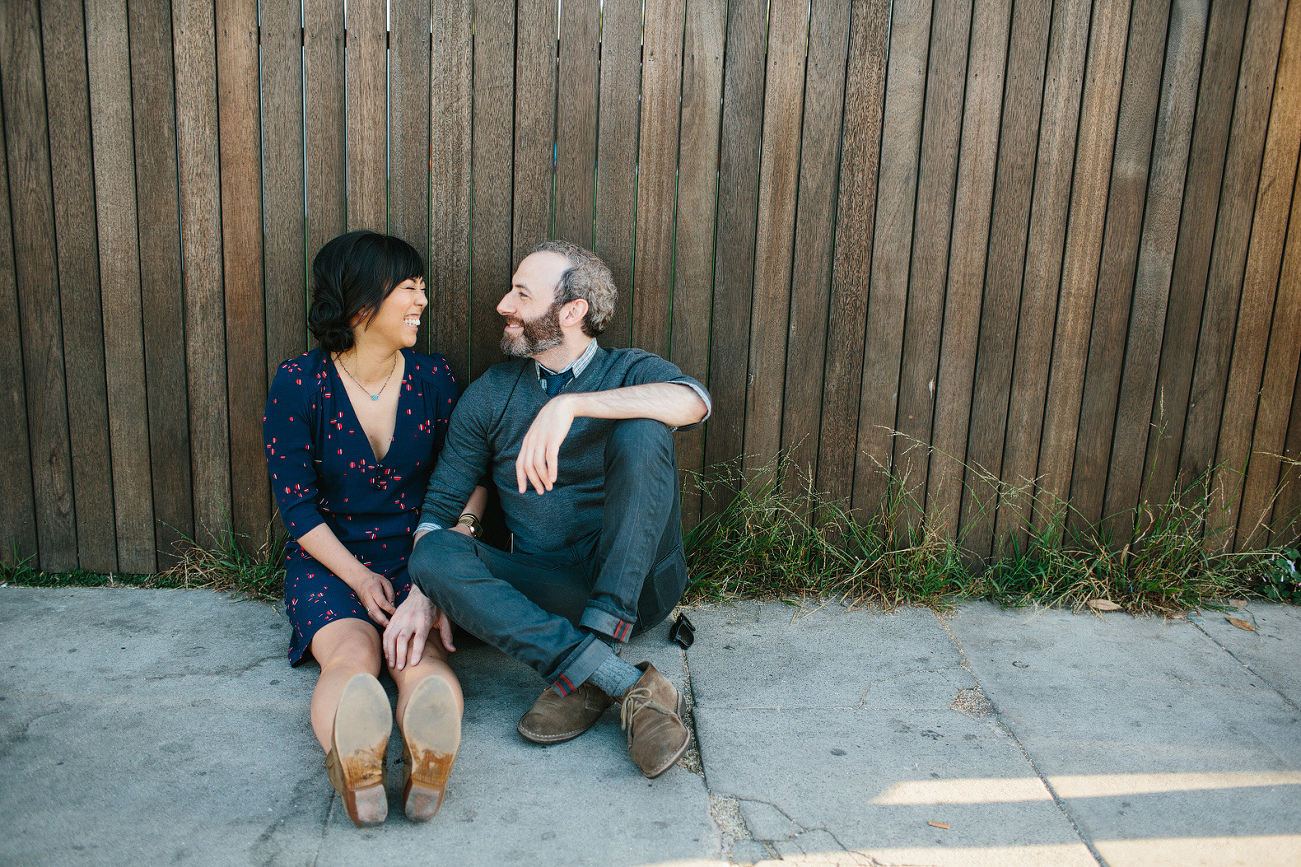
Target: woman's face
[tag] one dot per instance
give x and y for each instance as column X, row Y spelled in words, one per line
column 398, row 317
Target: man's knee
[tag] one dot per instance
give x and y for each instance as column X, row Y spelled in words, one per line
column 639, row 439
column 430, row 557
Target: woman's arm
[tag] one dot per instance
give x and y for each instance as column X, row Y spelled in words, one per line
column 374, row 590
column 416, row 617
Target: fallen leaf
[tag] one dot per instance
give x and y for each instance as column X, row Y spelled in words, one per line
column 935, row 824
column 1238, row 603
column 1240, row 623
column 1103, row 605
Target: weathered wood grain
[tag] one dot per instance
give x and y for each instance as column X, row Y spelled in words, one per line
column 861, row 384
column 109, row 67
column 194, row 58
column 1127, row 197
column 657, row 162
column 36, row 276
column 1165, row 199
column 815, row 226
column 1004, row 269
column 326, row 126
column 451, row 112
column 972, row 204
column 577, row 101
column 535, row 122
column 163, row 305
column 72, row 176
column 408, row 139
column 367, row 118
column 779, row 172
column 693, row 264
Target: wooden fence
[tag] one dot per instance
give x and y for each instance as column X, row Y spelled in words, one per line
column 1050, row 240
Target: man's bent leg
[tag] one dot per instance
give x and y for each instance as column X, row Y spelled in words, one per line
column 641, row 529
column 499, row 598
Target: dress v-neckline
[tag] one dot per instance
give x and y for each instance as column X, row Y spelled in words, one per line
column 406, row 370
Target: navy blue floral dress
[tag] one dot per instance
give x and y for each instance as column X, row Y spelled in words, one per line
column 323, row 471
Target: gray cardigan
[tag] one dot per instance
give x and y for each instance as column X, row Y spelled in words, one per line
column 484, row 436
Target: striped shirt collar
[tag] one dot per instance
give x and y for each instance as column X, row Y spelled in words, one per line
column 577, row 366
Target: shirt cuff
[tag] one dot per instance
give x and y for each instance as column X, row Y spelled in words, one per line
column 704, row 396
column 425, row 526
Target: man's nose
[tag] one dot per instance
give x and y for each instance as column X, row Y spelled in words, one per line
column 503, row 306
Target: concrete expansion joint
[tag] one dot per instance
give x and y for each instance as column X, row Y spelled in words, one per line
column 1248, row 667
column 997, row 719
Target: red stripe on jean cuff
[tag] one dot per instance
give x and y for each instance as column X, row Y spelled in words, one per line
column 564, row 685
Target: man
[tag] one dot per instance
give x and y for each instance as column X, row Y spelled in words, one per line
column 577, row 440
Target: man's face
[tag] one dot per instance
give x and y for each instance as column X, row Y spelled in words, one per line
column 532, row 317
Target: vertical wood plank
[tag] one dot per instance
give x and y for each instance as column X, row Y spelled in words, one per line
column 1287, row 512
column 17, row 510
column 814, row 235
column 73, row 185
column 326, row 126
column 1206, row 172
column 693, row 262
column 779, row 169
column 848, row 373
column 1009, row 226
column 367, row 119
column 109, row 66
column 1242, row 172
column 32, row 212
column 1124, row 224
column 285, row 253
column 451, row 112
column 657, row 164
column 162, row 301
column 1278, row 383
column 972, row 204
column 241, row 234
column 815, row 222
column 535, row 122
column 616, row 155
column 1260, row 286
column 738, row 187
column 872, row 370
column 923, row 321
column 1054, row 168
column 1155, row 264
column 576, row 118
column 408, row 141
column 193, row 41
column 1088, row 209
column 494, row 138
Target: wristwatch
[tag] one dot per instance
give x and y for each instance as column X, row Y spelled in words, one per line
column 472, row 522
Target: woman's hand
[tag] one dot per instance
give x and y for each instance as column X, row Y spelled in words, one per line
column 376, row 593
column 414, row 619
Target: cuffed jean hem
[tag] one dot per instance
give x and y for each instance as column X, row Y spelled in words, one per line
column 602, row 621
column 580, row 664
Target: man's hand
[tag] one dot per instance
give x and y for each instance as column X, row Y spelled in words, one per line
column 538, row 463
column 410, row 625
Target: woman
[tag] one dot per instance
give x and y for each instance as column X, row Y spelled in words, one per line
column 352, row 432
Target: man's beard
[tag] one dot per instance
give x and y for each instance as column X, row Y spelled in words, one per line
column 537, row 335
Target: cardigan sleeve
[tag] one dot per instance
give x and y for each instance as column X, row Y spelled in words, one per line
column 291, row 454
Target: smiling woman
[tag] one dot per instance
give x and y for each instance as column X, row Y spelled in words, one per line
column 352, row 433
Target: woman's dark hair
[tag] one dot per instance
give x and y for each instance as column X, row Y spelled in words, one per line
column 351, row 277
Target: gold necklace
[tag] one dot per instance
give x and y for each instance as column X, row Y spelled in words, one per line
column 376, row 395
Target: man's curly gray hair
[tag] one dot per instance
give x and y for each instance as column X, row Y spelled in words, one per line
column 587, row 277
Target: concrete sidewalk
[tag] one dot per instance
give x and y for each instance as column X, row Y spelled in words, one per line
column 166, row 726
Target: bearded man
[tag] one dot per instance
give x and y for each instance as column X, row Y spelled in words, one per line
column 578, row 441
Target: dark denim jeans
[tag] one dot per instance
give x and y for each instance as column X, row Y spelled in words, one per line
column 543, row 609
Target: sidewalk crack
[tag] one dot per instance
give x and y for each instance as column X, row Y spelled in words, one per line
column 1247, row 666
column 998, row 721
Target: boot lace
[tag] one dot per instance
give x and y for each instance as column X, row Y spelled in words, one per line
column 635, row 699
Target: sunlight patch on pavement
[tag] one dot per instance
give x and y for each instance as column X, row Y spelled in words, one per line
column 1008, row 790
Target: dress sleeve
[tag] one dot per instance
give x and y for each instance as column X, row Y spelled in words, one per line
column 287, row 430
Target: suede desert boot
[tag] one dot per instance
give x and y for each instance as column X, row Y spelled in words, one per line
column 651, row 713
column 554, row 720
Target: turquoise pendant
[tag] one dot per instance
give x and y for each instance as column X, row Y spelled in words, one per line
column 374, row 397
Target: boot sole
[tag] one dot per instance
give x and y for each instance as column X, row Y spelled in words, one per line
column 362, row 723
column 431, row 733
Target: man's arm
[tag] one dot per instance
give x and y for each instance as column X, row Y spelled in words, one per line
column 673, row 403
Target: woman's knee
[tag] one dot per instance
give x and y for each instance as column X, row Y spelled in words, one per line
column 348, row 641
